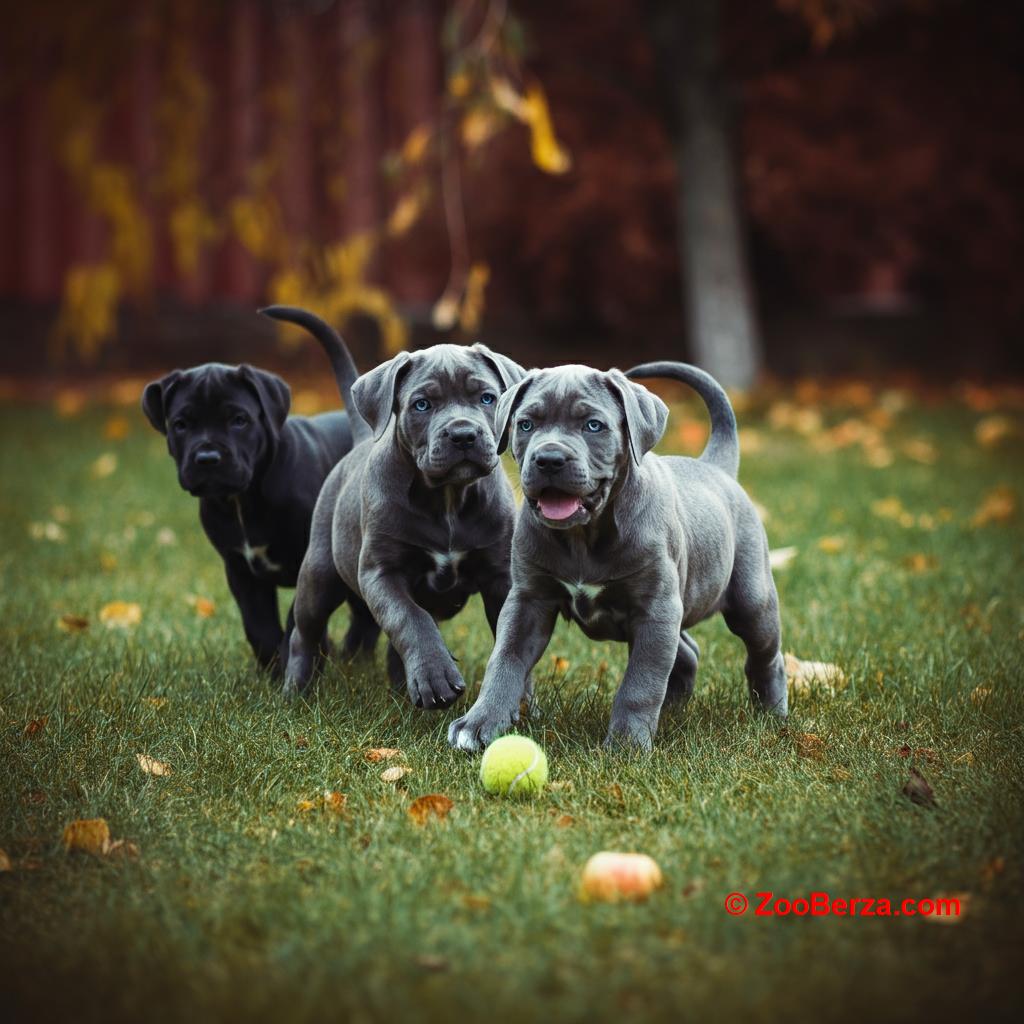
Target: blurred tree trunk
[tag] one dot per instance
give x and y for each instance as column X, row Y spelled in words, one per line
column 717, row 295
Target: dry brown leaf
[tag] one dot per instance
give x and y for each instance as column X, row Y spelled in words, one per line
column 87, row 835
column 36, row 726
column 998, row 506
column 394, row 774
column 980, row 694
column 151, row 766
column 779, row 558
column 433, row 805
column 991, row 430
column 809, row 675
column 376, row 754
column 202, row 606
column 69, row 623
column 832, row 545
column 565, row 821
column 919, row 562
column 5, row 861
column 334, row 801
column 809, row 745
column 301, row 742
column 104, row 466
column 122, row 849
column 918, row 789
column 121, row 614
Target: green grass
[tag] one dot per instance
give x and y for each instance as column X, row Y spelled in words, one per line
column 242, row 907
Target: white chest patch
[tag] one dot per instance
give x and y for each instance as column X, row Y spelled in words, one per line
column 591, row 591
column 257, row 557
column 447, row 559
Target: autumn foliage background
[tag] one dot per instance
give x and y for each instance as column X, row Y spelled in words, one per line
column 418, row 170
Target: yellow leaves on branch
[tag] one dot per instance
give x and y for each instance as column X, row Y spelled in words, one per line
column 532, row 109
column 415, row 146
column 463, row 301
column 339, row 290
column 191, row 229
column 88, row 310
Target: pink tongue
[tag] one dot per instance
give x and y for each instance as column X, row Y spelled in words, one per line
column 556, row 505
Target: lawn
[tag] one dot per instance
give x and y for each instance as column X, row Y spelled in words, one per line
column 246, row 902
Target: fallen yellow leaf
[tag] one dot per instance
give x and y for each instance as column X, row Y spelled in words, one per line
column 433, row 805
column 87, row 835
column 203, row 606
column 381, row 754
column 116, row 428
column 53, row 532
column 156, row 702
column 991, row 430
column 559, row 665
column 394, row 774
column 120, row 614
column 980, row 694
column 832, row 545
column 808, row 675
column 919, row 562
column 779, row 558
column 998, row 506
column 151, row 766
column 104, row 466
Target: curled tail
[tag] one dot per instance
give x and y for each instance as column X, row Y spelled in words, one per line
column 344, row 367
column 723, row 447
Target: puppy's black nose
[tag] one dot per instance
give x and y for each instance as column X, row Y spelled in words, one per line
column 208, row 457
column 549, row 460
column 462, row 437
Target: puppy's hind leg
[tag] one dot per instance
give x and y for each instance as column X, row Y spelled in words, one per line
column 363, row 630
column 684, row 672
column 318, row 593
column 752, row 613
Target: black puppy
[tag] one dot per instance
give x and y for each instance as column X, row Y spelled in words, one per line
column 257, row 473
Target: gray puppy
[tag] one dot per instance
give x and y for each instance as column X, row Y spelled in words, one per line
column 629, row 545
column 415, row 520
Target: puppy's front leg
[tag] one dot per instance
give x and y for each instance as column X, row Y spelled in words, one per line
column 257, row 602
column 524, row 629
column 431, row 677
column 652, row 654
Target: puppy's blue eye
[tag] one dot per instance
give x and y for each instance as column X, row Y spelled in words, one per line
column 595, row 426
column 421, row 405
column 487, row 398
column 526, row 426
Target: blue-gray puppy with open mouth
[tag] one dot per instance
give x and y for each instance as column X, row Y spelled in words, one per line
column 630, row 545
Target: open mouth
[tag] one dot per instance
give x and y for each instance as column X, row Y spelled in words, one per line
column 557, row 505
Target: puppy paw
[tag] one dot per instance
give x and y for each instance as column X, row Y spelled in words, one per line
column 473, row 731
column 434, row 684
column 636, row 736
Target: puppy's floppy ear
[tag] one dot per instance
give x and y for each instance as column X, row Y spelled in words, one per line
column 154, row 399
column 509, row 372
column 646, row 414
column 274, row 396
column 507, row 405
column 376, row 392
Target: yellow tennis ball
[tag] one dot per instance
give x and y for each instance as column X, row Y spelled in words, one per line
column 514, row 766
